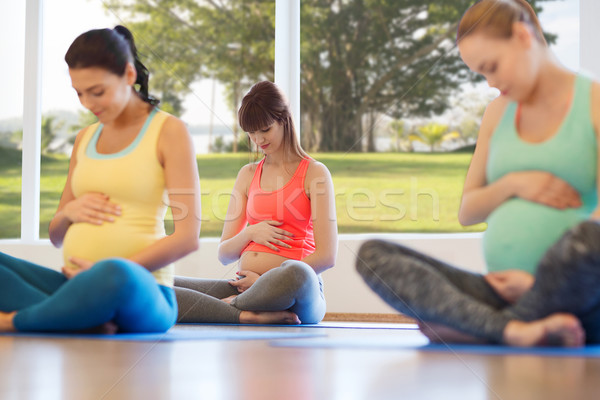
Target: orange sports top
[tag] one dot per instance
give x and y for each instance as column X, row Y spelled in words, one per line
column 289, row 205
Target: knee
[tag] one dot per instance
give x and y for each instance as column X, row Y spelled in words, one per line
column 117, row 275
column 374, row 251
column 582, row 240
column 297, row 271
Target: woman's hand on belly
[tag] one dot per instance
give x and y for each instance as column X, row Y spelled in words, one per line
column 268, row 234
column 510, row 284
column 244, row 281
column 80, row 266
column 547, row 189
column 93, row 208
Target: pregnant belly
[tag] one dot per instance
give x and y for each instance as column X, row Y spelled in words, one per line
column 97, row 242
column 520, row 232
column 260, row 262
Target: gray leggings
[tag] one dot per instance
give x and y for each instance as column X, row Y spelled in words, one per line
column 567, row 280
column 293, row 286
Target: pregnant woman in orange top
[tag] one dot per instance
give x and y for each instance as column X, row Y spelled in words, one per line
column 280, row 227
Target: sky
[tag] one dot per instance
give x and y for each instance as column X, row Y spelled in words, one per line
column 64, row 20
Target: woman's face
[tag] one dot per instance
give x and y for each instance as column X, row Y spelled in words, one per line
column 269, row 139
column 506, row 64
column 102, row 92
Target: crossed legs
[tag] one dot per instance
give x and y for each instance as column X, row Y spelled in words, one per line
column 436, row 293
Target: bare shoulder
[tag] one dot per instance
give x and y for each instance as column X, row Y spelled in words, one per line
column 248, row 169
column 493, row 114
column 174, row 128
column 317, row 177
column 245, row 175
column 317, row 169
column 76, row 143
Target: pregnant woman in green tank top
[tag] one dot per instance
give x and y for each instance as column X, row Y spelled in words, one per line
column 533, row 179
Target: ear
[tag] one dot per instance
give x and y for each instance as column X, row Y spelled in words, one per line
column 130, row 74
column 521, row 32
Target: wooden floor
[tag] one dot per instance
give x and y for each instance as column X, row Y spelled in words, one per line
column 50, row 368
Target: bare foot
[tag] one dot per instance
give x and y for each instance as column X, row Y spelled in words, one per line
column 557, row 329
column 438, row 333
column 6, row 321
column 269, row 317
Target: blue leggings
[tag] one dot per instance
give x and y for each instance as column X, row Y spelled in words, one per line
column 115, row 290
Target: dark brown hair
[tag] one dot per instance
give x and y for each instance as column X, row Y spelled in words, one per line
column 496, row 18
column 110, row 49
column 264, row 105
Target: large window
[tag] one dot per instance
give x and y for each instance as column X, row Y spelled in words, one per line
column 386, row 78
column 397, row 144
column 202, row 58
column 12, row 43
column 62, row 115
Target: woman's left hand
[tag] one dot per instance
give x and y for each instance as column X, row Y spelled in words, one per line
column 246, row 279
column 510, row 284
column 80, row 266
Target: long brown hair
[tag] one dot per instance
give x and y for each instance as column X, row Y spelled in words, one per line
column 496, row 18
column 264, row 105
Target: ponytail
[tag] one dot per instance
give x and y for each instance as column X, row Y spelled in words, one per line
column 110, row 49
column 143, row 74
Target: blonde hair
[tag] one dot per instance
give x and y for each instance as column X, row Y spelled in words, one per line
column 496, row 18
column 264, row 105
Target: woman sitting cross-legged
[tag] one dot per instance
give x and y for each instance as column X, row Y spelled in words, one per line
column 280, row 226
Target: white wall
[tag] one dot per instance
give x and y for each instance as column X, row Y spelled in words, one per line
column 345, row 291
column 589, row 49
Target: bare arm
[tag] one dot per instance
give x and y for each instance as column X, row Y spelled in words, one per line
column 322, row 200
column 480, row 197
column 93, row 208
column 596, row 122
column 175, row 151
column 235, row 236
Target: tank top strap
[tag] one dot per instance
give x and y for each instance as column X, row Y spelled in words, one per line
column 88, row 134
column 153, row 129
column 300, row 174
column 255, row 184
column 581, row 107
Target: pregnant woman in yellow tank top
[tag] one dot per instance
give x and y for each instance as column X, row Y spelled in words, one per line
column 534, row 179
column 123, row 173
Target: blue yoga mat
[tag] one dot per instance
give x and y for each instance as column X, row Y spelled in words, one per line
column 422, row 344
column 326, row 324
column 587, row 351
column 172, row 335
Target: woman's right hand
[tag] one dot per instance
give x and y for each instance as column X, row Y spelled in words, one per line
column 547, row 189
column 93, row 208
column 268, row 234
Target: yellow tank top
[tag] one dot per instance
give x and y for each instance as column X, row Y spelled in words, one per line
column 134, row 179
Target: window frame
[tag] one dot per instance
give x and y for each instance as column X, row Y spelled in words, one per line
column 287, row 76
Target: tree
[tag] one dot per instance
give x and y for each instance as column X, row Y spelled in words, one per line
column 400, row 135
column 433, row 134
column 49, row 127
column 358, row 57
column 186, row 40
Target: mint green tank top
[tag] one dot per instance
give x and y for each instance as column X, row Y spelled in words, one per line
column 519, row 232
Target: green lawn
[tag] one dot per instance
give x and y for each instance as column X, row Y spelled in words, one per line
column 375, row 192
